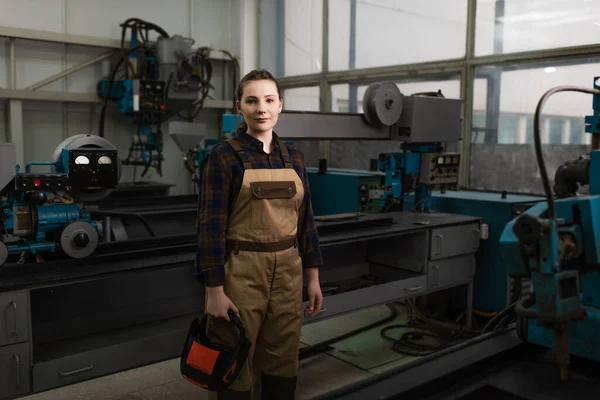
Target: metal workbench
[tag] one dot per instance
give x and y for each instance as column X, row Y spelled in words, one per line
column 65, row 321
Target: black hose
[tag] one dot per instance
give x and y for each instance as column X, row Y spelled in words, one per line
column 498, row 317
column 324, row 345
column 522, row 307
column 372, row 380
column 538, row 142
column 111, row 79
column 125, row 214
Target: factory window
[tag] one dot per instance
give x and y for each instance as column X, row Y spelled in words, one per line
column 508, row 128
column 374, row 33
column 509, row 97
column 301, row 99
column 556, row 129
column 478, row 126
column 515, row 26
column 578, row 134
column 529, row 129
column 303, row 38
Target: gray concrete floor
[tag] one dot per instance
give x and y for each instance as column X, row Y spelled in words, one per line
column 162, row 381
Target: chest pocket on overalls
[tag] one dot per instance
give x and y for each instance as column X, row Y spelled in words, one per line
column 273, row 207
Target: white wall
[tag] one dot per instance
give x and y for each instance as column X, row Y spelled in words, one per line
column 222, row 24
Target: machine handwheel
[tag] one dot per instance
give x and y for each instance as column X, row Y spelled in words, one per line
column 3, row 253
column 79, row 239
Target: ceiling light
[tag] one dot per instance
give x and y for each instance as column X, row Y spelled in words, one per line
column 549, row 70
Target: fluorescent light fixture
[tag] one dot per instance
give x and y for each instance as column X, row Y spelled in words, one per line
column 549, row 70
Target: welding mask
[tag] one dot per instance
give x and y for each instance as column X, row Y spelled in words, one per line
column 211, row 366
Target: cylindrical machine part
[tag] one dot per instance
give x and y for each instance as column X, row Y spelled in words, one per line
column 53, row 217
column 570, row 175
column 79, row 239
column 382, row 104
column 107, row 229
column 168, row 49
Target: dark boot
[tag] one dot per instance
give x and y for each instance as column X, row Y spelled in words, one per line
column 278, row 388
column 234, row 395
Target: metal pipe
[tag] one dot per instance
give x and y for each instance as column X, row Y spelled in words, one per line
column 107, row 229
column 13, row 63
column 352, row 87
column 66, row 72
column 466, row 92
column 570, row 175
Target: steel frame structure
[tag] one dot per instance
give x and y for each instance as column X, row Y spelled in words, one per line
column 464, row 67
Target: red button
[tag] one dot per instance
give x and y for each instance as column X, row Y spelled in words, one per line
column 37, row 182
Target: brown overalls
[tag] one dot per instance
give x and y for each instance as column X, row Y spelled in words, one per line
column 263, row 278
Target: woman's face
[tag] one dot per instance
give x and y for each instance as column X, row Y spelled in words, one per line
column 260, row 105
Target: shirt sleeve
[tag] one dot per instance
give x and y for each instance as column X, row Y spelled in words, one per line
column 214, row 187
column 308, row 237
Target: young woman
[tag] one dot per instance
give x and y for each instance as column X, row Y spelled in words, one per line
column 257, row 236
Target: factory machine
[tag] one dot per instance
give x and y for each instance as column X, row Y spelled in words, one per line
column 556, row 244
column 388, row 115
column 162, row 79
column 41, row 211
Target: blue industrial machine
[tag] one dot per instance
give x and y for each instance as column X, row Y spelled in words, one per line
column 422, row 165
column 343, row 191
column 418, row 169
column 161, row 80
column 40, row 212
column 493, row 290
column 556, row 244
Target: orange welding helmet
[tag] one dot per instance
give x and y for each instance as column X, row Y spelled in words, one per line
column 208, row 365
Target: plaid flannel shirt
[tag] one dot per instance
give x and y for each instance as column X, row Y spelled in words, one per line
column 220, row 181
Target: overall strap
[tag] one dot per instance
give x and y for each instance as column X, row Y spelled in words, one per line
column 241, row 153
column 285, row 155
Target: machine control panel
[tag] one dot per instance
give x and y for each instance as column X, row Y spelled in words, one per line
column 93, row 168
column 42, row 182
column 370, row 192
column 149, row 96
column 439, row 168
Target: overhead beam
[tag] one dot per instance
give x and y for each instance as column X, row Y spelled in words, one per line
column 56, row 37
column 67, row 97
column 537, row 56
column 370, row 74
column 80, row 40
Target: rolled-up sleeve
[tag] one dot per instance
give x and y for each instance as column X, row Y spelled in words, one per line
column 308, row 237
column 214, row 187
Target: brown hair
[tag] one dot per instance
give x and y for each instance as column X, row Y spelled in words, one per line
column 254, row 75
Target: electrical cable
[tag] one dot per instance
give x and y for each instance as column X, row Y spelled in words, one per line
column 324, row 345
column 498, row 317
column 411, row 343
column 538, row 142
column 111, row 79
